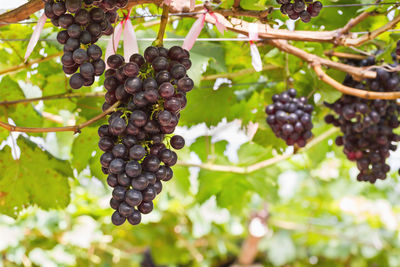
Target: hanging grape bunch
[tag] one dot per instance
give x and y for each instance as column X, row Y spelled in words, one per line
column 290, row 118
column 367, row 125
column 398, row 49
column 137, row 157
column 303, row 9
column 84, row 22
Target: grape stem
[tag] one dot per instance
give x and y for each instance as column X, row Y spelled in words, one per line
column 163, row 25
column 76, row 128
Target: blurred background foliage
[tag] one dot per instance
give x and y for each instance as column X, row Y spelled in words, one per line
column 301, row 210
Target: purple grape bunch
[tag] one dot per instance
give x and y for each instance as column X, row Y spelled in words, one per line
column 368, row 125
column 303, row 9
column 290, row 118
column 83, row 23
column 137, row 141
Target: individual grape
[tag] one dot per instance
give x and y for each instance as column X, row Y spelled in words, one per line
column 149, row 84
column 94, row 29
column 158, row 187
column 149, row 194
column 133, row 85
column 131, row 69
column 137, row 152
column 135, row 218
column 114, row 204
column 138, row 59
column 120, row 151
column 117, row 218
column 73, row 5
column 151, row 163
column 82, row 17
column 177, row 142
column 105, row 159
column 62, row 37
column 117, row 166
column 87, row 70
column 133, row 168
column 125, row 210
column 99, row 67
column 65, row 20
column 151, row 53
column 80, row 56
column 185, row 84
column 178, row 71
column 94, row 52
column 97, row 14
column 160, row 64
column 145, row 207
column 166, row 90
column 115, row 61
column 133, row 197
column 112, row 180
column 76, row 81
column 140, row 183
column 119, row 193
column 71, row 45
column 123, row 179
column 74, row 31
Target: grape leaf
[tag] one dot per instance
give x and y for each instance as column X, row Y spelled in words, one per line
column 22, row 114
column 83, row 147
column 36, row 178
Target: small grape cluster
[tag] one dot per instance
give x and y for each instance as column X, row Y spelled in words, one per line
column 290, row 118
column 367, row 125
column 84, row 22
column 303, row 9
column 151, row 91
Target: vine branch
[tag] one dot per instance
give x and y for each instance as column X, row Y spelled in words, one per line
column 30, row 63
column 259, row 165
column 51, row 97
column 76, row 128
column 352, row 91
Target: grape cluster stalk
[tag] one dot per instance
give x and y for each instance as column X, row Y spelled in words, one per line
column 137, row 141
column 84, row 22
column 290, row 118
column 368, row 125
column 303, row 9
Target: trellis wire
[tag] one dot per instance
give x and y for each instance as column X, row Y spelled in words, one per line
column 203, row 12
column 173, row 39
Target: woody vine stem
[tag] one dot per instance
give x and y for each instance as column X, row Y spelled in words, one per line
column 163, row 25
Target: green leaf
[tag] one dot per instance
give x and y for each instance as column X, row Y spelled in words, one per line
column 22, row 114
column 208, row 106
column 83, row 147
column 36, row 178
column 250, row 153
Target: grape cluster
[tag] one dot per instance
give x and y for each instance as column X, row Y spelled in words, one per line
column 303, row 9
column 367, row 125
column 84, row 22
column 290, row 118
column 136, row 142
column 398, row 49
